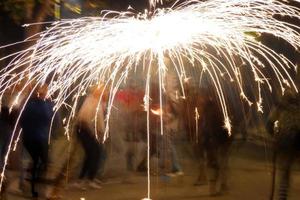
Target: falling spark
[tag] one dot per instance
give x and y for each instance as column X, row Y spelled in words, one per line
column 153, row 3
column 157, row 111
column 197, row 116
column 215, row 36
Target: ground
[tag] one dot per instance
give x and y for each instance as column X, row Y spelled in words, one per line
column 249, row 179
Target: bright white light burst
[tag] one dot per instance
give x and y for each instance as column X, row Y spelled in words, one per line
column 215, row 36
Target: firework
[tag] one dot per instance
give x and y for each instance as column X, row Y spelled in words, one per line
column 218, row 37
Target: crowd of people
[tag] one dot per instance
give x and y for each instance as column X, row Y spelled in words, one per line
column 34, row 117
column 198, row 115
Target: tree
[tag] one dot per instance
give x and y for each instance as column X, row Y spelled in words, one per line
column 13, row 14
column 27, row 11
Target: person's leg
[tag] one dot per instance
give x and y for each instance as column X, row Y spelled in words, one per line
column 154, row 143
column 85, row 141
column 130, row 157
column 162, row 154
column 43, row 157
column 202, row 177
column 212, row 169
column 223, row 156
column 175, row 163
column 33, row 151
column 285, row 163
column 103, row 156
column 169, row 160
column 286, row 146
column 93, row 163
column 60, row 178
column 95, row 153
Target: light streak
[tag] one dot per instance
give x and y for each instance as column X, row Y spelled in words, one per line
column 213, row 36
column 157, row 111
column 197, row 116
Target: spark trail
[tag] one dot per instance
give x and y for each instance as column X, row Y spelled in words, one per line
column 215, row 36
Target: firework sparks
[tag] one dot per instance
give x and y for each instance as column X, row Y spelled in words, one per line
column 213, row 36
column 153, row 3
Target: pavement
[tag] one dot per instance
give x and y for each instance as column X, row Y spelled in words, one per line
column 249, row 179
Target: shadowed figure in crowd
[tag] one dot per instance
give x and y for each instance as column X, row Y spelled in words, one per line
column 5, row 134
column 35, row 122
column 162, row 145
column 6, row 124
column 90, row 129
column 284, row 125
column 204, row 124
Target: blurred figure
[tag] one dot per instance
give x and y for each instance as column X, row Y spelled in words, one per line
column 5, row 134
column 35, row 122
column 171, row 127
column 284, row 125
column 6, row 128
column 163, row 145
column 90, row 130
column 203, row 121
column 127, row 125
column 12, row 102
column 168, row 159
column 129, row 101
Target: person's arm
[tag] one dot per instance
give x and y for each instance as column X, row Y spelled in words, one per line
column 273, row 116
column 100, row 121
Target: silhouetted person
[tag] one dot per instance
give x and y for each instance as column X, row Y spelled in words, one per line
column 35, row 122
column 5, row 135
column 6, row 128
column 90, row 119
column 284, row 125
column 204, row 124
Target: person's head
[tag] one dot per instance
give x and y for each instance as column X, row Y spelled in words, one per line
column 99, row 90
column 41, row 91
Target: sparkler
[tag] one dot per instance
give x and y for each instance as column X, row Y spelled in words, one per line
column 214, row 36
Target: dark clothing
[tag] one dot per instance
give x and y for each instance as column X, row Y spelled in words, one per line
column 204, row 123
column 35, row 122
column 6, row 128
column 5, row 131
column 212, row 125
column 36, row 119
column 284, row 125
column 38, row 151
column 93, row 152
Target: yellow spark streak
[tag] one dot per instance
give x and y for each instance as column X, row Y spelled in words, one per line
column 210, row 35
column 197, row 116
column 157, row 111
